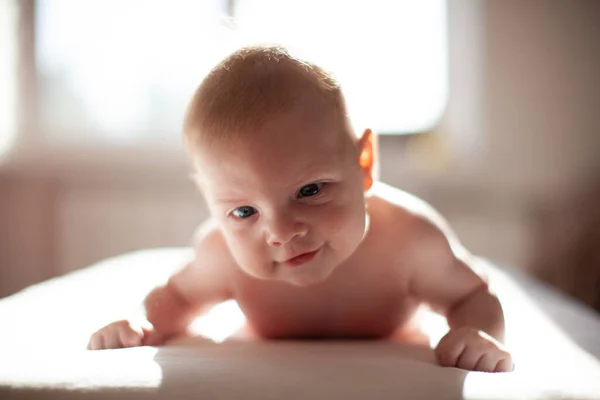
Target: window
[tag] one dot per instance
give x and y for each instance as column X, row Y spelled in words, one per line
column 122, row 71
column 8, row 74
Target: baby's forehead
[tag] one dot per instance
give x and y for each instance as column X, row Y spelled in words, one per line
column 280, row 148
column 279, row 161
column 305, row 126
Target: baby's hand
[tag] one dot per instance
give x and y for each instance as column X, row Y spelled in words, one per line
column 470, row 349
column 121, row 334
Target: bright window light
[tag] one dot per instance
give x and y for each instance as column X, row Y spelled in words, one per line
column 8, row 74
column 123, row 71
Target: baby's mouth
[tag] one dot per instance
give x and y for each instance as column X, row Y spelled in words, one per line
column 302, row 258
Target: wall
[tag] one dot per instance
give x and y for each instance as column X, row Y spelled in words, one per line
column 542, row 95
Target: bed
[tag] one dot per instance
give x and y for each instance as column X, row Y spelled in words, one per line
column 45, row 329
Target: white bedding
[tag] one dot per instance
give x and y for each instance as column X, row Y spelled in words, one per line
column 45, row 328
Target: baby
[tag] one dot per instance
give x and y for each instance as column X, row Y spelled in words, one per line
column 301, row 235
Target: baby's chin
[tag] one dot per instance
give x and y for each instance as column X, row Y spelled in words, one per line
column 306, row 276
column 306, row 280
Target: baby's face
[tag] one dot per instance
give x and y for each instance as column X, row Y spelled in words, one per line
column 289, row 198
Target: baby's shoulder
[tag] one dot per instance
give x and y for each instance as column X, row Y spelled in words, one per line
column 208, row 236
column 208, row 275
column 398, row 203
column 210, row 247
column 404, row 212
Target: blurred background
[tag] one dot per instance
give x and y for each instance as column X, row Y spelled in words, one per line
column 489, row 110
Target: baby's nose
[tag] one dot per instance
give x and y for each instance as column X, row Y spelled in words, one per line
column 284, row 231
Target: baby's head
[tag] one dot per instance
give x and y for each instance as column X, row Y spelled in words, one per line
column 279, row 165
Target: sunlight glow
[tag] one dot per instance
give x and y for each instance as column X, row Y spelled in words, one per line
column 134, row 368
column 112, row 81
column 221, row 322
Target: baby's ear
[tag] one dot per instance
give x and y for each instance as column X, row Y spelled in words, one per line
column 366, row 147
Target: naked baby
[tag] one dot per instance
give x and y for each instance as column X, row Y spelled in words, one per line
column 301, row 234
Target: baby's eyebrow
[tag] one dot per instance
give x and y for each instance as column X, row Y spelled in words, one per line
column 230, row 200
column 228, row 195
column 316, row 174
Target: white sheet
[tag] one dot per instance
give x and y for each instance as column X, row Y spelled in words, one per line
column 46, row 327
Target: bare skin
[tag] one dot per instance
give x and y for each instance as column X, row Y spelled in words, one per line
column 310, row 247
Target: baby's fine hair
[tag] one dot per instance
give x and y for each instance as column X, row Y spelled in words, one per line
column 251, row 85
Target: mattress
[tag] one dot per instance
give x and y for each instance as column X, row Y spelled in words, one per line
column 45, row 328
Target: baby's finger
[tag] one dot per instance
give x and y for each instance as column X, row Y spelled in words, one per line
column 96, row 342
column 469, row 357
column 152, row 338
column 130, row 337
column 505, row 365
column 92, row 343
column 451, row 347
column 112, row 340
column 448, row 351
column 486, row 363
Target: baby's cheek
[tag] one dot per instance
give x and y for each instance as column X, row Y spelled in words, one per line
column 343, row 220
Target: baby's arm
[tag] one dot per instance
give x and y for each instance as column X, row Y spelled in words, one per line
column 443, row 278
column 170, row 308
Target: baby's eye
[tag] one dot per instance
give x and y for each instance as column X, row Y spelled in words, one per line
column 310, row 190
column 243, row 212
